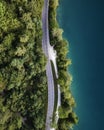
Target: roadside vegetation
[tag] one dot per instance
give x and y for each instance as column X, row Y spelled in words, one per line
column 67, row 116
column 23, row 83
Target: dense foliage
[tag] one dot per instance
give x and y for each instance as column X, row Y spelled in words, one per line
column 23, row 85
column 67, row 117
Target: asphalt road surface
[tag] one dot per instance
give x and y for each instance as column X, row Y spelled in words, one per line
column 50, row 81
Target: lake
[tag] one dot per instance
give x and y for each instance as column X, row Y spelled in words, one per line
column 83, row 25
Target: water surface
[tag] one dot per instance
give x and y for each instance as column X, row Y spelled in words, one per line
column 83, row 24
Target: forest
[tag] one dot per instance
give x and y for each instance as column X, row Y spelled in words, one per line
column 23, row 82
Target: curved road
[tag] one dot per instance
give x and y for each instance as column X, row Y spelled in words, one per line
column 45, row 46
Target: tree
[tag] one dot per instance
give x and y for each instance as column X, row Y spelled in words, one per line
column 23, row 85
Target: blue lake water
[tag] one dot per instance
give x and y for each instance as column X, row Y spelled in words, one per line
column 83, row 24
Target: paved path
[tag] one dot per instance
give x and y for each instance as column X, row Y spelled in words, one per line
column 45, row 46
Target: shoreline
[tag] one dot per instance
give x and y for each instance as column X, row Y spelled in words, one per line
column 56, row 37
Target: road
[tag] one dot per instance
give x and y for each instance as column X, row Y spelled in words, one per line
column 49, row 74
